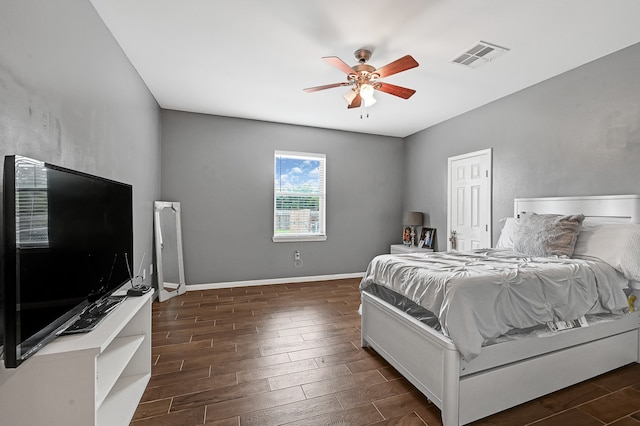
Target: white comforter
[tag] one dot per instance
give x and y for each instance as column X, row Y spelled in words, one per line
column 483, row 294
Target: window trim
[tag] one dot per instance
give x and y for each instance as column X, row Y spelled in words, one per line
column 320, row 236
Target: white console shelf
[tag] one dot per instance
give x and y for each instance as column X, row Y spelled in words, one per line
column 96, row 378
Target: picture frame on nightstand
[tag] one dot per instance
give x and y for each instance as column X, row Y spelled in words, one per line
column 427, row 238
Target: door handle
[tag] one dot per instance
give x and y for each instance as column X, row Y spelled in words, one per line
column 454, row 239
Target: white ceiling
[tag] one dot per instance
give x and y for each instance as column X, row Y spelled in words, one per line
column 252, row 58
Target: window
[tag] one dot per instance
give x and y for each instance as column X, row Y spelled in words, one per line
column 299, row 197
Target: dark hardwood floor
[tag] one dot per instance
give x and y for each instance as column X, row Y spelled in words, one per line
column 290, row 354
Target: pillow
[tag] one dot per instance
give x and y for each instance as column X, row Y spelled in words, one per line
column 616, row 244
column 509, row 229
column 547, row 234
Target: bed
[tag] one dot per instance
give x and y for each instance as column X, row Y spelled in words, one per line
column 512, row 371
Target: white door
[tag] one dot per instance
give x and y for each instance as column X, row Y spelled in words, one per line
column 469, row 200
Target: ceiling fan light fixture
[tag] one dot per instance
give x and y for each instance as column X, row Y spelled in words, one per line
column 369, row 101
column 350, row 96
column 366, row 92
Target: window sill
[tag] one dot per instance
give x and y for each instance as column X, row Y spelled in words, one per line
column 298, row 238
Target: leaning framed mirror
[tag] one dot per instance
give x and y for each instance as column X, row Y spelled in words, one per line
column 168, row 244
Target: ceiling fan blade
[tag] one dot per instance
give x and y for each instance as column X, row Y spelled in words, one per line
column 399, row 65
column 355, row 103
column 392, row 89
column 338, row 63
column 326, row 86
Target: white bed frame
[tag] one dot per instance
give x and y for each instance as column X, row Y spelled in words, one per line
column 513, row 372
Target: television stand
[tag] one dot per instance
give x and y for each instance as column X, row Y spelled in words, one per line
column 94, row 378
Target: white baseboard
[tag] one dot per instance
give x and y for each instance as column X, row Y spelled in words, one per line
column 211, row 286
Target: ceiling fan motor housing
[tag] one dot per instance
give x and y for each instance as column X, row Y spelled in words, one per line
column 363, row 74
column 360, row 68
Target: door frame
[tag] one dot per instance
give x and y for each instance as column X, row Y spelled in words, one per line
column 488, row 152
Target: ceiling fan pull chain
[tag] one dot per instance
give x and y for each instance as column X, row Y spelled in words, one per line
column 366, row 112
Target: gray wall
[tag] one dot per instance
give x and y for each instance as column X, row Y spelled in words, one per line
column 575, row 134
column 69, row 96
column 221, row 170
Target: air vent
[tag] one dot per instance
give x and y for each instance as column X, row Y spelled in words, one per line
column 479, row 54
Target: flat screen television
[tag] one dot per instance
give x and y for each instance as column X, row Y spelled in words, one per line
column 68, row 241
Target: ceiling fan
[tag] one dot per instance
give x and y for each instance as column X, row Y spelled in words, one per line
column 365, row 79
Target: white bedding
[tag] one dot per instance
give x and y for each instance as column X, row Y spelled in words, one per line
column 483, row 294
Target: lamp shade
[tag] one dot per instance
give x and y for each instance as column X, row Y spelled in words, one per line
column 366, row 91
column 412, row 218
column 349, row 97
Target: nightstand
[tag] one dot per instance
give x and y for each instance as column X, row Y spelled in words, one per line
column 401, row 248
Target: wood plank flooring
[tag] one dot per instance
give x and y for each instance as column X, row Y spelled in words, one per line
column 290, row 354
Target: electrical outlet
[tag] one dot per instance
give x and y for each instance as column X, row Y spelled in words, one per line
column 151, row 269
column 296, row 255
